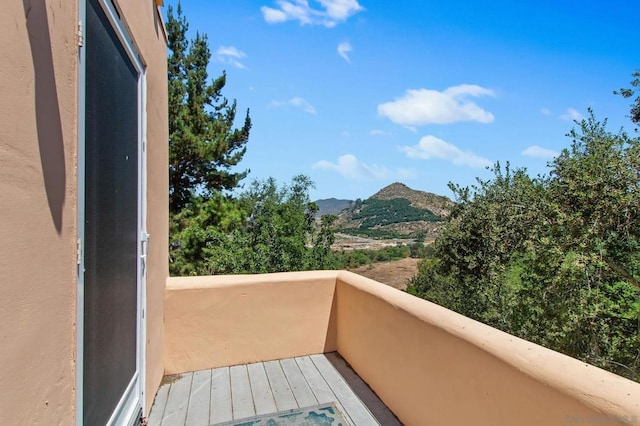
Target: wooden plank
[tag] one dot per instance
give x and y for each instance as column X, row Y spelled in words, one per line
column 279, row 386
column 356, row 410
column 261, row 390
column 363, row 391
column 319, row 386
column 200, row 398
column 175, row 413
column 241, row 397
column 159, row 404
column 299, row 386
column 220, row 407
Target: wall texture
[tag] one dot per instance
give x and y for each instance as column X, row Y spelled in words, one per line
column 38, row 104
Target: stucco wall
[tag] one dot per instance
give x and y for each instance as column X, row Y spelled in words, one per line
column 146, row 27
column 429, row 365
column 227, row 320
column 432, row 366
column 37, row 212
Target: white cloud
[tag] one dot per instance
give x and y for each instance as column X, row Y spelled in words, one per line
column 230, row 55
column 273, row 16
column 296, row 102
column 425, row 106
column 378, row 132
column 545, row 111
column 431, row 147
column 572, row 114
column 343, row 50
column 350, row 167
column 330, row 13
column 536, row 151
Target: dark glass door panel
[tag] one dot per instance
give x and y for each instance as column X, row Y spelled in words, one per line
column 111, row 219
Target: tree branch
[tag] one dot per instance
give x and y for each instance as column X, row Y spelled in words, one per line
column 622, row 272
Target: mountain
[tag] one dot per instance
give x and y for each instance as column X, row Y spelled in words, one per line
column 396, row 211
column 438, row 204
column 332, row 206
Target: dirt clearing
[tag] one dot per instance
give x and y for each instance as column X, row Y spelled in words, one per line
column 396, row 273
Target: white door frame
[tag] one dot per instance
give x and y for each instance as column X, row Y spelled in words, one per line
column 133, row 400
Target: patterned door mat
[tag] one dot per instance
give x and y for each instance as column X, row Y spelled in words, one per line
column 318, row 415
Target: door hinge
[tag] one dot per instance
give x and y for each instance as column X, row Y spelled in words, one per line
column 78, row 251
column 80, row 35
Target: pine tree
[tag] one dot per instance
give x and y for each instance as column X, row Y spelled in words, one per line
column 203, row 145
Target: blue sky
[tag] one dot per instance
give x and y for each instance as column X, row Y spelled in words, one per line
column 358, row 94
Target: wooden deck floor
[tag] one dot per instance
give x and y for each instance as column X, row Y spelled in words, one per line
column 223, row 394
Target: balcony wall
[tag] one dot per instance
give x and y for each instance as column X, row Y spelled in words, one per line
column 237, row 319
column 433, row 366
column 428, row 364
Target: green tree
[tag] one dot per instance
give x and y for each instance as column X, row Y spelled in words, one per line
column 200, row 232
column 282, row 234
column 280, row 222
column 418, row 250
column 322, row 257
column 489, row 224
column 268, row 228
column 203, row 145
column 596, row 183
column 628, row 93
column 554, row 259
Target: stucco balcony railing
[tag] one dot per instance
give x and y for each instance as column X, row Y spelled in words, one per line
column 429, row 365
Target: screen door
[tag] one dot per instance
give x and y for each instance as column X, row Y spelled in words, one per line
column 111, row 376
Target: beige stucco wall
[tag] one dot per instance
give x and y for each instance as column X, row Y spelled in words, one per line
column 147, row 30
column 432, row 366
column 37, row 212
column 428, row 364
column 228, row 320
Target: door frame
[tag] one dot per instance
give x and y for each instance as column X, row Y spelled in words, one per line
column 130, row 409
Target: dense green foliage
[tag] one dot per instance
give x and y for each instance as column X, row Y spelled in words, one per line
column 552, row 259
column 203, row 145
column 354, row 258
column 376, row 212
column 376, row 234
column 266, row 229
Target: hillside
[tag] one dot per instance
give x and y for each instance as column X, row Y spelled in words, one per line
column 396, row 211
column 438, row 204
